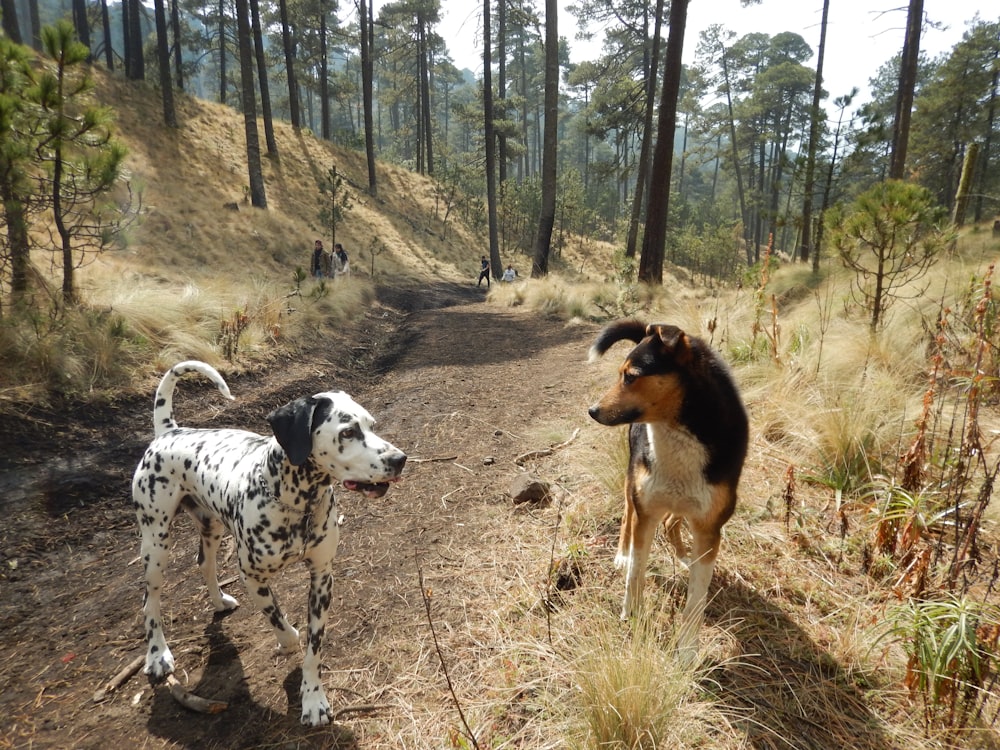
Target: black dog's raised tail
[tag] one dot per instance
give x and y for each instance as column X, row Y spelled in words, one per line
column 624, row 330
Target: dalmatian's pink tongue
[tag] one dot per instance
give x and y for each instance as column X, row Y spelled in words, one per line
column 369, row 489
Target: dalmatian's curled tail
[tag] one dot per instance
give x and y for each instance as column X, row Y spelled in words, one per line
column 163, row 404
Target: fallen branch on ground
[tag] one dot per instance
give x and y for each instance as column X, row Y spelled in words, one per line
column 359, row 708
column 531, row 455
column 426, row 596
column 191, row 701
column 120, row 679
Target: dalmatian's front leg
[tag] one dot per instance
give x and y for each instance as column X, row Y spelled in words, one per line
column 325, row 538
column 260, row 594
column 315, row 706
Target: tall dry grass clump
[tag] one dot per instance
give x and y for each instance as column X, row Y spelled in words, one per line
column 630, row 692
column 84, row 351
column 221, row 322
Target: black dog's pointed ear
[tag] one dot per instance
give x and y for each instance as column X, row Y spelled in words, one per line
column 292, row 426
column 674, row 340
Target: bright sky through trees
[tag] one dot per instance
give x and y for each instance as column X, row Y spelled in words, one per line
column 862, row 34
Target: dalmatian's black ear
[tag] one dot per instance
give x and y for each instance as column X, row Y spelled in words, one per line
column 292, row 426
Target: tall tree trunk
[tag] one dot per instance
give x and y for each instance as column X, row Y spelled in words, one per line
column 36, row 26
column 289, row 48
column 984, row 162
column 502, row 156
column 814, row 120
column 490, row 145
column 82, row 24
column 10, row 25
column 654, row 239
column 652, row 67
column 324, row 84
column 135, row 69
column 163, row 61
column 65, row 240
column 109, row 51
column 126, row 34
column 222, row 51
column 367, row 75
column 18, row 246
column 425, row 90
column 907, row 87
column 175, row 22
column 265, row 92
column 256, row 176
column 525, row 170
column 962, row 196
column 547, row 217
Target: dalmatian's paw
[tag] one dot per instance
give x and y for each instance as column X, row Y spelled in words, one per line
column 226, row 604
column 315, row 706
column 159, row 664
column 288, row 641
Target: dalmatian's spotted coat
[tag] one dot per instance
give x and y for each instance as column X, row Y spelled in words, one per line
column 273, row 494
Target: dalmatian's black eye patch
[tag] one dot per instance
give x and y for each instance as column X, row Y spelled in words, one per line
column 321, row 414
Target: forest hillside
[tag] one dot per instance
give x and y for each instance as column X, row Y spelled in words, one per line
column 196, row 219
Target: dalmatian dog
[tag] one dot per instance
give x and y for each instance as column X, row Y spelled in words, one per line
column 273, row 494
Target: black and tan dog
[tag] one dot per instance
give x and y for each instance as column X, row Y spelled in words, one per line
column 688, row 436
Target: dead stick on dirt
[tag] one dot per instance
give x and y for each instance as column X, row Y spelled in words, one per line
column 426, row 596
column 552, row 568
column 191, row 701
column 546, row 451
column 120, row 679
column 431, row 460
column 359, row 708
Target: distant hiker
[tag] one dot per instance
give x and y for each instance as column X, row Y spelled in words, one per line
column 342, row 266
column 484, row 272
column 510, row 274
column 317, row 263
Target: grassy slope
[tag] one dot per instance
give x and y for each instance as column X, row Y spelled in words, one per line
column 190, row 174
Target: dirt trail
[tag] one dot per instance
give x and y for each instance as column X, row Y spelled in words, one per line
column 463, row 387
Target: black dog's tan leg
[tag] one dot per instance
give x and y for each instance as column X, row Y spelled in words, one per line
column 625, row 535
column 705, row 548
column 641, row 531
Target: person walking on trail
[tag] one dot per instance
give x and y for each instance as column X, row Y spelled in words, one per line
column 484, row 272
column 342, row 266
column 316, row 265
column 510, row 274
